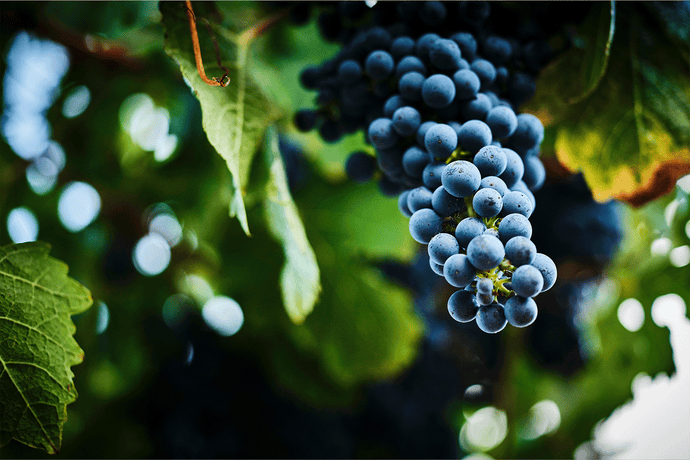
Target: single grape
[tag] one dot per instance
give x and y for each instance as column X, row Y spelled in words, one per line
column 438, row 91
column 431, row 176
column 514, row 168
column 474, row 134
column 424, row 45
column 527, row 281
column 529, row 133
column 520, row 251
column 446, row 204
column 442, row 246
column 436, row 268
column 522, row 187
column 466, row 43
column 520, row 311
column 462, row 306
column 330, row 131
column 432, row 13
column 485, row 71
column 535, row 174
column 515, row 202
column 487, row 202
column 414, row 161
column 502, row 121
column 401, row 47
column 402, row 204
column 485, row 252
column 379, row 64
column 440, row 140
column 461, row 178
column 305, row 120
column 419, row 198
column 349, row 72
column 409, row 64
column 484, row 299
column 485, row 286
column 497, row 49
column 521, row 88
column 490, row 160
column 547, row 269
column 467, row 84
column 422, row 130
column 458, row 271
column 390, row 188
column 491, row 319
column 476, row 108
column 445, row 54
column 514, row 225
column 495, row 183
column 360, row 166
column 406, row 120
column 392, row 104
column 424, row 224
column 410, row 86
column 467, row 229
column 382, row 134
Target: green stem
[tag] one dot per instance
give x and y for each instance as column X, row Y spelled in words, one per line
column 470, row 209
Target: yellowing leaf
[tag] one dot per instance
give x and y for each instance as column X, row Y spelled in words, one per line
column 36, row 344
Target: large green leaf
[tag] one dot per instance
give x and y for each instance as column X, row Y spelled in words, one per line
column 299, row 278
column 637, row 121
column 36, row 344
column 235, row 117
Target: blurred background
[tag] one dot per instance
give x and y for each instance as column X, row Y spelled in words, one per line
column 188, row 349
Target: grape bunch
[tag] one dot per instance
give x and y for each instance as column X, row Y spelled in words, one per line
column 440, row 114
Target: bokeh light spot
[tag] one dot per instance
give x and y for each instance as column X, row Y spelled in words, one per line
column 78, row 206
column 103, row 318
column 667, row 308
column 680, row 256
column 22, row 225
column 223, row 315
column 631, row 314
column 151, row 255
column 76, row 102
column 167, row 226
column 661, row 246
column 484, row 430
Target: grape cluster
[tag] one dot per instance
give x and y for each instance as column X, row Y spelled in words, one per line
column 440, row 113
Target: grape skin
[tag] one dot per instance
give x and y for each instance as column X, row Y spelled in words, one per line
column 485, row 252
column 438, row 91
column 547, row 268
column 491, row 319
column 419, row 198
column 487, row 202
column 468, row 229
column 467, row 84
column 360, row 167
column 514, row 225
column 515, row 202
column 442, row 246
column 520, row 311
column 406, row 120
column 520, row 251
column 462, row 306
column 424, row 224
column 440, row 140
column 495, row 183
column 514, row 168
column 446, row 204
column 382, row 134
column 490, row 160
column 473, row 135
column 415, row 161
column 461, row 178
column 458, row 270
column 527, row 281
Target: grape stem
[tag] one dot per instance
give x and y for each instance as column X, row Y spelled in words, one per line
column 470, row 210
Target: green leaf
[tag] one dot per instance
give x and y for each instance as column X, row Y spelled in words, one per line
column 36, row 344
column 299, row 278
column 235, row 117
column 577, row 73
column 637, row 121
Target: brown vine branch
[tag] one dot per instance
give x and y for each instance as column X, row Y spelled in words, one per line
column 197, row 52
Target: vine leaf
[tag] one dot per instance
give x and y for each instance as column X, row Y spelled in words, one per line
column 630, row 135
column 299, row 278
column 235, row 118
column 585, row 66
column 36, row 344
